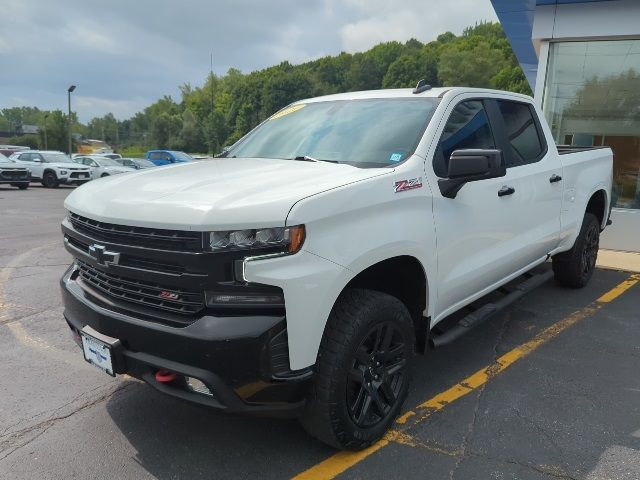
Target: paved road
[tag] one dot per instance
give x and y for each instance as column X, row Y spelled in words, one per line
column 568, row 409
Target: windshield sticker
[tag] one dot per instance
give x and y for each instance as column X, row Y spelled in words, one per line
column 287, row 111
column 404, row 185
column 395, row 157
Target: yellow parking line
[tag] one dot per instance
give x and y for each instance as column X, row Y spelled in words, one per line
column 341, row 461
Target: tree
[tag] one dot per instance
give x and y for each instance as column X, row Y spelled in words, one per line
column 473, row 67
column 225, row 107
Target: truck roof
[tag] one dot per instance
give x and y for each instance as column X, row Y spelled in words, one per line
column 408, row 93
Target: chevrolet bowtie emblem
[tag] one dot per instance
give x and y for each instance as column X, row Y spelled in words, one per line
column 103, row 256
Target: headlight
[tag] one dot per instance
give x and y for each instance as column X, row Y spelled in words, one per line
column 63, row 172
column 289, row 238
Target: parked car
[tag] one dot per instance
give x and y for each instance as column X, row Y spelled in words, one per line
column 14, row 174
column 321, row 255
column 102, row 166
column 52, row 168
column 166, row 157
column 112, row 156
column 8, row 150
column 137, row 163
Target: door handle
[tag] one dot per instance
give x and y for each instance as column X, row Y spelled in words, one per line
column 555, row 178
column 506, row 191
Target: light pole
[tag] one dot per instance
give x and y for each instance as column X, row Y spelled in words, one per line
column 46, row 146
column 69, row 90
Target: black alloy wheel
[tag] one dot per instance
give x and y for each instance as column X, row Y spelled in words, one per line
column 377, row 375
column 590, row 250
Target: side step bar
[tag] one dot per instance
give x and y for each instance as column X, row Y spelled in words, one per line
column 486, row 311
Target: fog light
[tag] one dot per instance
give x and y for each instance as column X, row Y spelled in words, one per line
column 197, row 386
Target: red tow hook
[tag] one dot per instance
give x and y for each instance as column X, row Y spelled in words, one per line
column 165, row 376
column 77, row 338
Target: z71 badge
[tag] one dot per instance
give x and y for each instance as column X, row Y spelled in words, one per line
column 404, row 185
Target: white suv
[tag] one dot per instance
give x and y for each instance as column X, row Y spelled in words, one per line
column 52, row 168
column 102, row 166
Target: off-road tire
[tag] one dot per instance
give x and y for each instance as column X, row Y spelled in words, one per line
column 575, row 267
column 352, row 328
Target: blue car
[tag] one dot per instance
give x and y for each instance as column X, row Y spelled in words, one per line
column 166, row 157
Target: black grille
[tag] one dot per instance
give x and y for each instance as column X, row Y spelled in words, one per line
column 14, row 174
column 175, row 240
column 79, row 175
column 134, row 262
column 168, row 299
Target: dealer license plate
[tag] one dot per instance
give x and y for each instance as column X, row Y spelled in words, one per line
column 97, row 353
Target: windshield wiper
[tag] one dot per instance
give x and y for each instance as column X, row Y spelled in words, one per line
column 307, row 158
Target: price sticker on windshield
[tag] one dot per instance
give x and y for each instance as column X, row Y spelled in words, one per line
column 287, row 111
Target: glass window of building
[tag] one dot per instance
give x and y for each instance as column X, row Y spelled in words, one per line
column 592, row 98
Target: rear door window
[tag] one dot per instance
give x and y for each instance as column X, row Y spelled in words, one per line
column 468, row 127
column 525, row 138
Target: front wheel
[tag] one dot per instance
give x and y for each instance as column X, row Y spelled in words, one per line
column 363, row 370
column 574, row 268
column 104, row 175
column 50, row 180
column 23, row 186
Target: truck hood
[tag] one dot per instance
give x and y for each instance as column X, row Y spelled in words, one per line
column 221, row 194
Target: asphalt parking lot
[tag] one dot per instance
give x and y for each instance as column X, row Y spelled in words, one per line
column 550, row 388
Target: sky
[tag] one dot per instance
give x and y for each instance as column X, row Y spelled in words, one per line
column 125, row 54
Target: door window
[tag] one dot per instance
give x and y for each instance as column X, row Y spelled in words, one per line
column 522, row 131
column 467, row 127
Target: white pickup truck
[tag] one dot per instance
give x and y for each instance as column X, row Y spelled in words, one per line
column 299, row 275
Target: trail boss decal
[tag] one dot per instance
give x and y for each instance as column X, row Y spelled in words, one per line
column 404, row 185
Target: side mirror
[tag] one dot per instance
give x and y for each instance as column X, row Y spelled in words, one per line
column 471, row 166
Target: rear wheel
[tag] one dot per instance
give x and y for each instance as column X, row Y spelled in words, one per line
column 575, row 267
column 50, row 180
column 363, row 373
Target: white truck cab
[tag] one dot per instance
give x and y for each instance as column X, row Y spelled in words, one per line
column 299, row 274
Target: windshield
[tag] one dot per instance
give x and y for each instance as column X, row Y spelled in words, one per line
column 364, row 133
column 107, row 162
column 183, row 156
column 55, row 158
column 3, row 158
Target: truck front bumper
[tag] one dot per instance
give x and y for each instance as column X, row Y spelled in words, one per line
column 235, row 357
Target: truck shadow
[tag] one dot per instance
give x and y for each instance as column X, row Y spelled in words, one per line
column 175, row 439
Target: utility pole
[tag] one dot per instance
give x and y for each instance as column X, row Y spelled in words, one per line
column 211, row 132
column 69, row 90
column 46, row 145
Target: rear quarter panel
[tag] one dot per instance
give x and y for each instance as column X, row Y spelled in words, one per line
column 584, row 173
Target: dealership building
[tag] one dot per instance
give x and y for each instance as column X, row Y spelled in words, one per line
column 582, row 60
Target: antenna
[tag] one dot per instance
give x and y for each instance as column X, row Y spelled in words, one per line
column 422, row 86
